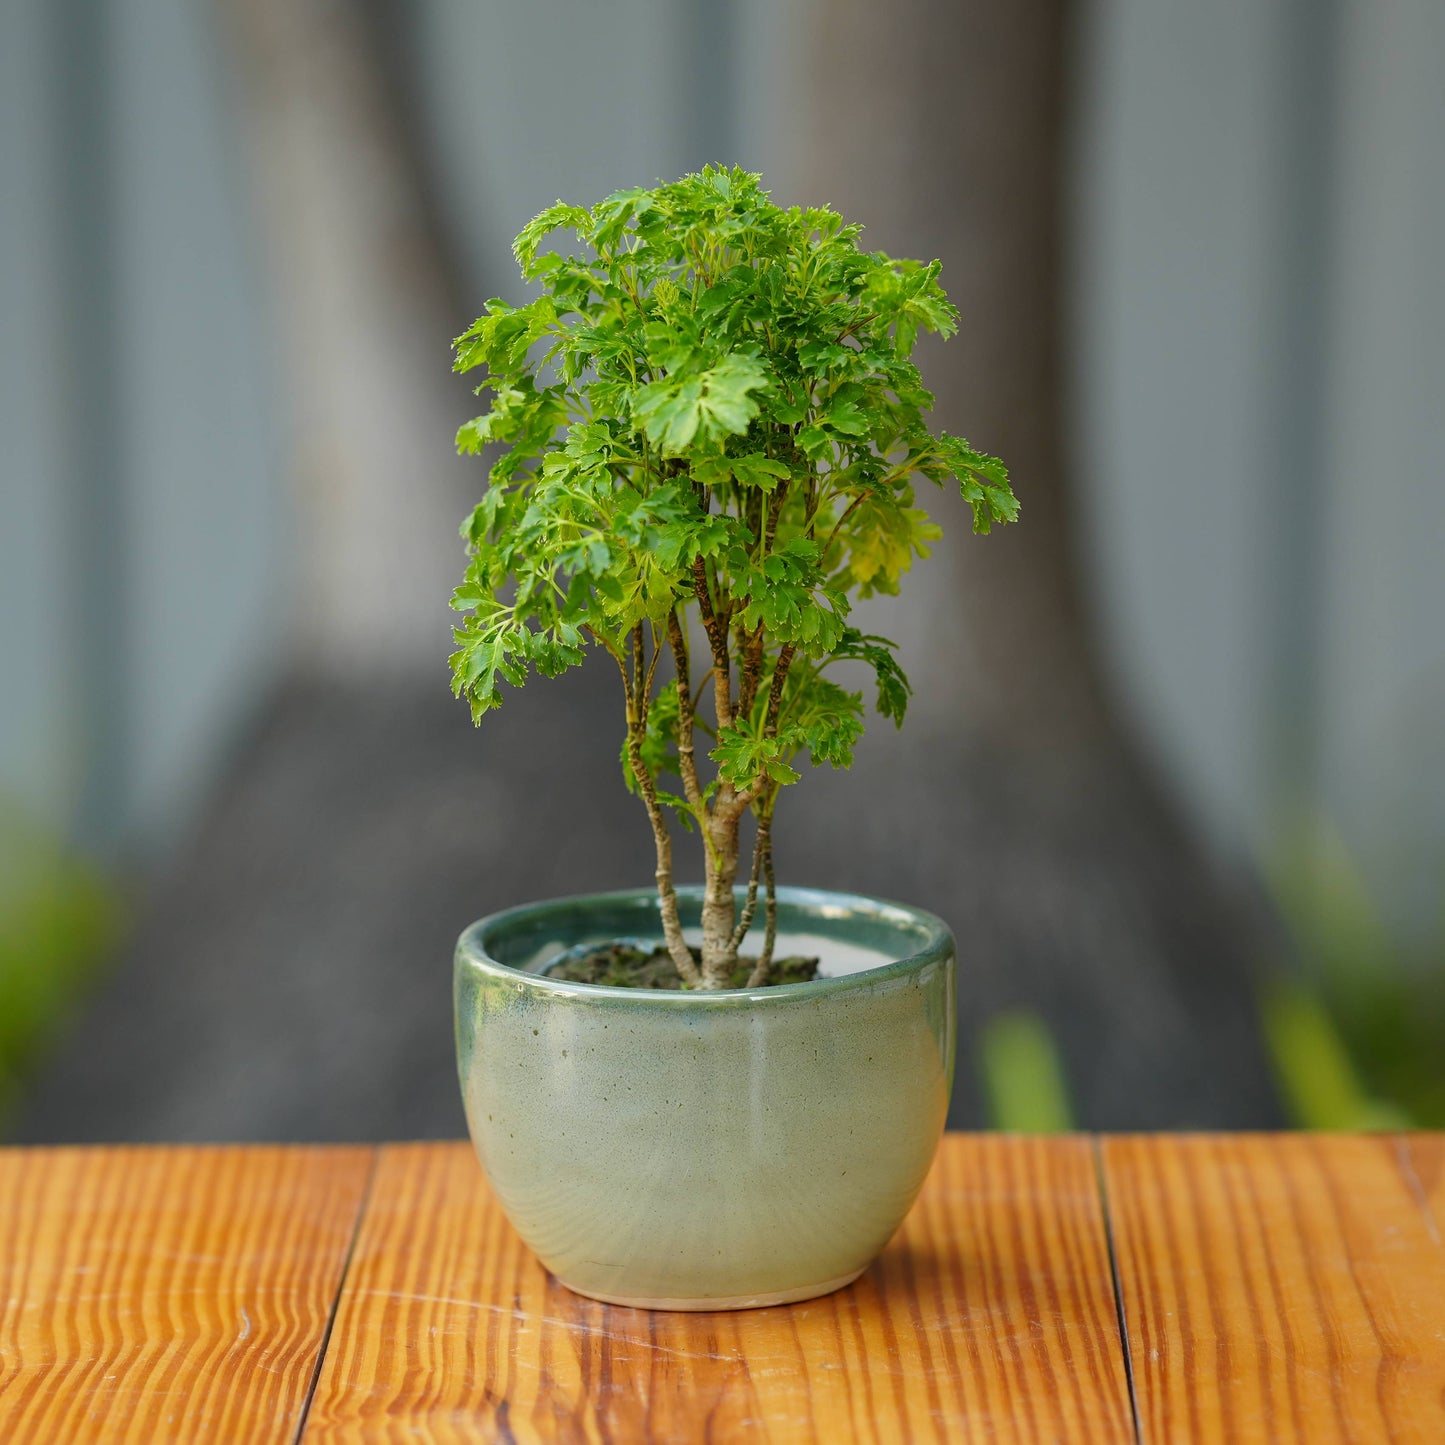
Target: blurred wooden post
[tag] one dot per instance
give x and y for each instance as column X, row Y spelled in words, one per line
column 366, row 300
column 944, row 127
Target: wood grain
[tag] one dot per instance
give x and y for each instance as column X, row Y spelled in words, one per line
column 990, row 1316
column 1283, row 1288
column 1276, row 1288
column 149, row 1295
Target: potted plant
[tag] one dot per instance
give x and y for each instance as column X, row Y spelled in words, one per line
column 709, row 430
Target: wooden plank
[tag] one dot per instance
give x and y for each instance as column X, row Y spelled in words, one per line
column 149, row 1295
column 1283, row 1288
column 990, row 1316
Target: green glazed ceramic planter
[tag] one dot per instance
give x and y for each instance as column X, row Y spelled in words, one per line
column 676, row 1150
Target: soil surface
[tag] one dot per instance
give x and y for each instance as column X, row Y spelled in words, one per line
column 621, row 965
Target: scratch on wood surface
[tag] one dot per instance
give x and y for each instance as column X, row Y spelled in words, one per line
column 528, row 1321
column 1412, row 1183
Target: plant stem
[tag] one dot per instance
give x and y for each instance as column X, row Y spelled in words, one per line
column 750, row 904
column 686, row 760
column 719, row 905
column 759, row 976
column 752, row 650
column 717, row 636
column 677, row 947
column 775, row 688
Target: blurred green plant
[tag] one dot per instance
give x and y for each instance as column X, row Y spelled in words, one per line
column 1023, row 1075
column 1358, row 1031
column 59, row 916
column 1321, row 1085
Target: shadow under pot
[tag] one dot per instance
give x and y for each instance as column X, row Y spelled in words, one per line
column 701, row 1151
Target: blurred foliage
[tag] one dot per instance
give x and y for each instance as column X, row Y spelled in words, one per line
column 59, row 917
column 1321, row 1085
column 1023, row 1076
column 1358, row 1033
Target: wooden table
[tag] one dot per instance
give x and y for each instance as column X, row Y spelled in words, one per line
column 1166, row 1288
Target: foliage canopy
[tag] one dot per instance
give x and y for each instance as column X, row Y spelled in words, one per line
column 709, row 407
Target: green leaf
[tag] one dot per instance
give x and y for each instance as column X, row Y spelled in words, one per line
column 881, row 539
column 710, row 406
column 815, row 442
column 736, row 756
column 611, row 218
column 524, row 248
column 501, row 339
column 908, row 297
column 894, row 689
column 844, row 416
column 745, row 759
column 670, row 412
column 473, row 435
column 757, row 469
column 983, row 480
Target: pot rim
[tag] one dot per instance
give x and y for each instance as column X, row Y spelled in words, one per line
column 937, row 939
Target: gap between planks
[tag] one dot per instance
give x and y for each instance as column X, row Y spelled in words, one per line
column 336, row 1298
column 1282, row 1288
column 1097, row 1148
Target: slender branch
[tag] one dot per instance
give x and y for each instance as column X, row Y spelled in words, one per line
column 755, row 789
column 770, row 938
column 639, row 647
column 759, row 976
column 626, row 684
column 667, row 894
column 677, row 947
column 686, row 761
column 717, row 636
column 750, row 905
column 856, row 324
column 752, row 670
column 770, row 509
column 651, row 673
column 775, row 688
column 847, row 512
column 702, row 683
column 601, row 641
column 775, row 510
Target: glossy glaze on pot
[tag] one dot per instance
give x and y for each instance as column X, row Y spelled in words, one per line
column 705, row 1150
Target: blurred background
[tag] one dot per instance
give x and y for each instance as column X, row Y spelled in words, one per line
column 1176, row 771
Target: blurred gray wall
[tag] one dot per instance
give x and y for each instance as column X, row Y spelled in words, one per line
column 526, row 103
column 1260, row 206
column 143, row 558
column 1260, row 389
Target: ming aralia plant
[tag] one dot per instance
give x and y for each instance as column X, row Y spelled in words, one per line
column 709, row 410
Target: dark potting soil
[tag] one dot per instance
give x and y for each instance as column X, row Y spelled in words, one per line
column 622, row 965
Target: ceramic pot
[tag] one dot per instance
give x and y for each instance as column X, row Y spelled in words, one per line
column 681, row 1150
